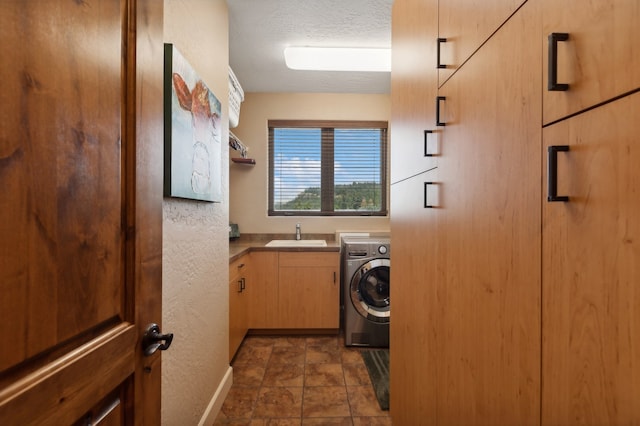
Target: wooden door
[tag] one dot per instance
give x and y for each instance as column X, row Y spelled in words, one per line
column 81, row 212
column 413, row 88
column 309, row 290
column 263, row 290
column 414, row 275
column 466, row 25
column 591, row 340
column 239, row 271
column 488, row 290
column 599, row 61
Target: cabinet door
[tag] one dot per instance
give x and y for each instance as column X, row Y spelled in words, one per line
column 413, row 88
column 601, row 58
column 263, row 290
column 238, row 320
column 309, row 290
column 466, row 25
column 591, row 339
column 414, row 276
column 489, row 248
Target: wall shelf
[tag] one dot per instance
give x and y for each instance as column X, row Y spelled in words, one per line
column 237, row 144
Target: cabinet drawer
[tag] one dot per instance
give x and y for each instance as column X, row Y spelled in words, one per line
column 308, row 259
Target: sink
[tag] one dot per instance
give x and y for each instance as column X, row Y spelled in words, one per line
column 296, row 243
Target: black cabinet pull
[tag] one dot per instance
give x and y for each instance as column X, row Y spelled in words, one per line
column 426, row 202
column 552, row 172
column 438, row 99
column 440, row 40
column 552, row 84
column 426, row 134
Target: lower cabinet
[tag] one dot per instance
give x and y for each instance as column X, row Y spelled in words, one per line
column 238, row 302
column 283, row 290
column 263, row 303
column 308, row 290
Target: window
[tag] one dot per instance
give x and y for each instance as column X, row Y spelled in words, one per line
column 327, row 168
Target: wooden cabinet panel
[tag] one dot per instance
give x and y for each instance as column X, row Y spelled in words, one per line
column 308, row 290
column 591, row 340
column 488, row 288
column 238, row 302
column 599, row 61
column 414, row 275
column 466, row 25
column 263, row 291
column 413, row 88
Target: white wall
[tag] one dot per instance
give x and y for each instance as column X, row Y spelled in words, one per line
column 195, row 248
column 249, row 184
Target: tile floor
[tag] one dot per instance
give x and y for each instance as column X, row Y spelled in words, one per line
column 300, row 380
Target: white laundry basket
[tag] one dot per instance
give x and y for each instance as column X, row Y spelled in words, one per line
column 236, row 96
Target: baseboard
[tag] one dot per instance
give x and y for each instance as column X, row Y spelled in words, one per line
column 210, row 414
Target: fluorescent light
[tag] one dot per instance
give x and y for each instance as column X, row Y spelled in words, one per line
column 338, row 59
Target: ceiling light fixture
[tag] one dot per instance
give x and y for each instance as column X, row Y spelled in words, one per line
column 338, row 59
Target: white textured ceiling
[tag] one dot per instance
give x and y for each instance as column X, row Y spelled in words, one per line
column 259, row 30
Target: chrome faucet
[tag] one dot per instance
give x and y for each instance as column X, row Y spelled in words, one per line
column 298, row 232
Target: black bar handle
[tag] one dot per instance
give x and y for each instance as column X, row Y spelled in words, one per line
column 426, row 202
column 438, row 99
column 552, row 84
column 426, row 133
column 552, row 172
column 440, row 40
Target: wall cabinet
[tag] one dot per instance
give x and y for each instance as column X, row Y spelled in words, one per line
column 512, row 309
column 308, row 290
column 238, row 302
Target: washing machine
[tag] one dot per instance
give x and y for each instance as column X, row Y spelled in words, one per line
column 365, row 291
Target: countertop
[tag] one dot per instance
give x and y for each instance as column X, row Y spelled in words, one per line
column 257, row 242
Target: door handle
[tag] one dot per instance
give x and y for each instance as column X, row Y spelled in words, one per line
column 552, row 172
column 440, row 41
column 152, row 340
column 426, row 202
column 438, row 99
column 552, row 83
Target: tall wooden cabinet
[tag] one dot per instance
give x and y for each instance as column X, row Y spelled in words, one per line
column 487, row 341
column 510, row 309
column 591, row 310
column 590, row 275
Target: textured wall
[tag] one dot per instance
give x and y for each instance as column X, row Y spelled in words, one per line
column 195, row 248
column 249, row 184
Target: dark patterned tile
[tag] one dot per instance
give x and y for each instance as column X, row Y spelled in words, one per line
column 287, row 355
column 239, row 403
column 322, row 354
column 363, row 402
column 323, row 375
column 248, row 375
column 325, row 401
column 279, row 402
column 327, row 421
column 356, row 375
column 284, row 375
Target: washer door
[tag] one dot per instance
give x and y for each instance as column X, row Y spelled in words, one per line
column 370, row 290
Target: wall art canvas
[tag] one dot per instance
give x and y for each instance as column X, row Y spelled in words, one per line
column 192, row 133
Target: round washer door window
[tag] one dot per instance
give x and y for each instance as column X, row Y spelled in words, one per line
column 370, row 290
